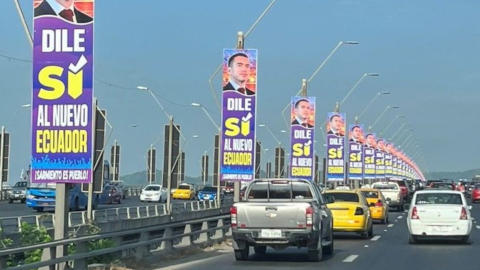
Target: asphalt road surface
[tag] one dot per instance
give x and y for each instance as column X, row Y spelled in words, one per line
column 387, row 250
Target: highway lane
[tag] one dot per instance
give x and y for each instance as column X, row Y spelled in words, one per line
column 388, row 249
column 17, row 209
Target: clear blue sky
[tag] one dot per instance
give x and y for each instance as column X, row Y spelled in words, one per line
column 425, row 51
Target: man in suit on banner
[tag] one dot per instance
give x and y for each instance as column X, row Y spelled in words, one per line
column 62, row 8
column 302, row 113
column 356, row 134
column 336, row 125
column 239, row 73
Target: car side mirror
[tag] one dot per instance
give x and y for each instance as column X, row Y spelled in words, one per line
column 372, row 204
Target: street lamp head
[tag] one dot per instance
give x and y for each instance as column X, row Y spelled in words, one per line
column 372, row 74
column 195, row 136
column 283, row 131
column 384, row 93
column 395, row 107
column 401, row 116
column 142, row 88
column 196, row 104
column 134, row 125
column 350, row 42
column 262, row 125
column 26, row 106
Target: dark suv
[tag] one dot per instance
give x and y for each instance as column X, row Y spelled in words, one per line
column 18, row 192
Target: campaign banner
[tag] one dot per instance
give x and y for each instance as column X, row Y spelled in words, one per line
column 238, row 140
column 336, row 146
column 302, row 137
column 380, row 159
column 355, row 154
column 399, row 165
column 394, row 161
column 369, row 156
column 62, row 96
column 388, row 160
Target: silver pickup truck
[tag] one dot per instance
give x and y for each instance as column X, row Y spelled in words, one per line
column 392, row 193
column 280, row 213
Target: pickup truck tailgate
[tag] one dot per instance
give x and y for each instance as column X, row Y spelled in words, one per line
column 272, row 215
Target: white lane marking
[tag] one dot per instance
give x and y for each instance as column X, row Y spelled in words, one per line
column 478, row 227
column 405, row 211
column 350, row 258
column 474, row 222
column 400, row 217
column 384, row 230
column 473, row 218
column 390, row 225
column 366, row 246
column 396, row 220
column 375, row 238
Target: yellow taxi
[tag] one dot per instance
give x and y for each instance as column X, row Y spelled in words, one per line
column 185, row 192
column 350, row 212
column 378, row 204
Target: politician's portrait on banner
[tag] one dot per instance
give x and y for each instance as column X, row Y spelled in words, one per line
column 355, row 152
column 238, row 140
column 62, row 94
column 336, row 146
column 302, row 136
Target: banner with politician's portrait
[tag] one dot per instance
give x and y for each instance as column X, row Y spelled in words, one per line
column 399, row 164
column 355, row 154
column 369, row 156
column 394, row 160
column 62, row 92
column 302, row 136
column 238, row 138
column 380, row 159
column 336, row 146
column 388, row 160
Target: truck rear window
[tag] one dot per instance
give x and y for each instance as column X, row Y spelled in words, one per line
column 279, row 191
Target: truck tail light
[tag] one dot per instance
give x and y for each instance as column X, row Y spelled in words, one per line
column 415, row 213
column 233, row 216
column 309, row 216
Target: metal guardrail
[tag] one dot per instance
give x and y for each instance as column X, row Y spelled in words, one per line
column 131, row 191
column 139, row 242
column 13, row 224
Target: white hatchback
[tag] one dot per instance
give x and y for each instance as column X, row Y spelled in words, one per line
column 153, row 193
column 439, row 214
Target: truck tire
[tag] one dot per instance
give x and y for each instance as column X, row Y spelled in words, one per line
column 412, row 239
column 260, row 249
column 242, row 254
column 315, row 255
column 328, row 250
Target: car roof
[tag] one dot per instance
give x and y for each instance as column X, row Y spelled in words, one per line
column 341, row 191
column 154, row 185
column 426, row 191
column 369, row 189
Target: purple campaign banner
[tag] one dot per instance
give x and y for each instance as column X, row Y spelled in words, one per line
column 336, row 146
column 380, row 159
column 62, row 97
column 394, row 165
column 355, row 154
column 238, row 140
column 388, row 160
column 369, row 156
column 302, row 137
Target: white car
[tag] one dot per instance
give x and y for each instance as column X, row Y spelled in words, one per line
column 153, row 193
column 439, row 214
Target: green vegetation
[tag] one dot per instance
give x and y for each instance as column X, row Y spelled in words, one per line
column 93, row 229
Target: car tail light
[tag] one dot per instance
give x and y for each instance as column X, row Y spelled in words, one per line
column 379, row 203
column 233, row 216
column 359, row 211
column 309, row 216
column 463, row 215
column 415, row 213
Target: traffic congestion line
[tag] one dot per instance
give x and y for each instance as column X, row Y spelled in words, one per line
column 350, row 258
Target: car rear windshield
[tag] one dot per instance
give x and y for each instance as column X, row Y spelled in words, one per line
column 152, row 188
column 184, row 187
column 438, row 198
column 209, row 189
column 280, row 190
column 344, row 197
column 370, row 194
column 442, row 185
column 389, row 186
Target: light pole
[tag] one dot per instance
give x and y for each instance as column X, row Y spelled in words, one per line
column 371, row 102
column 198, row 105
column 380, row 116
column 395, row 118
column 319, row 68
column 355, row 86
column 398, row 130
column 403, row 133
column 17, row 112
column 125, row 131
column 273, row 135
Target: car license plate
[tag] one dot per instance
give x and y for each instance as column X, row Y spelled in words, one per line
column 16, row 196
column 45, row 203
column 206, row 197
column 271, row 233
column 441, row 228
column 148, row 195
